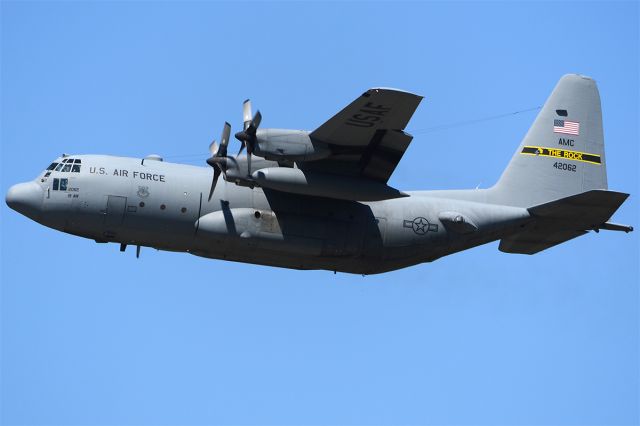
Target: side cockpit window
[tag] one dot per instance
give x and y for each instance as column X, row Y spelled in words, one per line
column 52, row 166
column 60, row 184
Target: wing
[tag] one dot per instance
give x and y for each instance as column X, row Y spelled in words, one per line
column 367, row 138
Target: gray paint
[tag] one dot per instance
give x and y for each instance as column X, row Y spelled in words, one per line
column 164, row 205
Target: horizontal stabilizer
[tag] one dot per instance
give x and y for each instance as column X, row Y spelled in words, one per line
column 564, row 219
column 590, row 208
column 531, row 242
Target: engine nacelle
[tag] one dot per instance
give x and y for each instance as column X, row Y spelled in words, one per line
column 236, row 169
column 288, row 145
column 297, row 181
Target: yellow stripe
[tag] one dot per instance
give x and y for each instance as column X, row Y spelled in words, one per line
column 562, row 154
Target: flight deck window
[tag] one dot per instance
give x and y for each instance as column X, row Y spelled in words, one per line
column 56, row 184
column 75, row 168
column 63, row 184
column 77, row 161
column 52, row 166
column 59, row 167
column 66, row 168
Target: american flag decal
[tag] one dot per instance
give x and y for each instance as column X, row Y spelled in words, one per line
column 567, row 127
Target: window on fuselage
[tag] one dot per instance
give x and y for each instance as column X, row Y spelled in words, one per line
column 66, row 165
column 56, row 184
column 63, row 184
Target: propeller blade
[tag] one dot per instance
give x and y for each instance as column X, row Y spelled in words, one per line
column 216, row 174
column 242, row 147
column 224, row 140
column 246, row 113
column 247, row 136
column 213, row 148
column 255, row 123
column 249, row 160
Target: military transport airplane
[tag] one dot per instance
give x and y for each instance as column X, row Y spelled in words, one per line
column 320, row 199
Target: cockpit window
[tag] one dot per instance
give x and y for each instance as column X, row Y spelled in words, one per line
column 72, row 165
column 63, row 184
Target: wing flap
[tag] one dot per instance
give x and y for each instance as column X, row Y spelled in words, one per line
column 380, row 159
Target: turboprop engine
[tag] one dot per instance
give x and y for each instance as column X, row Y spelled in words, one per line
column 288, row 145
column 302, row 182
column 280, row 152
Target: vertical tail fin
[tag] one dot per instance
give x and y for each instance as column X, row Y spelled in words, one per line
column 562, row 154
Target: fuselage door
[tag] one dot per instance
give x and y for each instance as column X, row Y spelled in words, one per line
column 115, row 211
column 375, row 237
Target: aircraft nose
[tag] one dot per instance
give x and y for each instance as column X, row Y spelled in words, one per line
column 25, row 198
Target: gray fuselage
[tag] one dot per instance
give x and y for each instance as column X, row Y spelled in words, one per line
column 165, row 206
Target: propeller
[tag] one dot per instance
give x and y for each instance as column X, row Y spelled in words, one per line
column 218, row 156
column 247, row 136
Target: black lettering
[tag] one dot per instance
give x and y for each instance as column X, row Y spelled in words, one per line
column 102, row 171
column 92, row 169
column 135, row 174
column 565, row 166
column 362, row 117
column 382, row 107
column 369, row 111
column 124, row 173
column 351, row 122
column 161, row 178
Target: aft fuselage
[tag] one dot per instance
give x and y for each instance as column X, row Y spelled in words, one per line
column 165, row 206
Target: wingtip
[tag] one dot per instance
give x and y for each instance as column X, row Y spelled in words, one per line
column 391, row 89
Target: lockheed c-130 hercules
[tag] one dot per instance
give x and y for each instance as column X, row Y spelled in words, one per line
column 320, row 199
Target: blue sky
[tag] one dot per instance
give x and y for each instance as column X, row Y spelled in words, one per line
column 93, row 336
